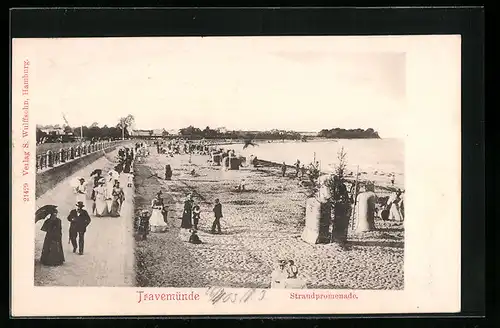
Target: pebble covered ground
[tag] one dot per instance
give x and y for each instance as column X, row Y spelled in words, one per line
column 260, row 226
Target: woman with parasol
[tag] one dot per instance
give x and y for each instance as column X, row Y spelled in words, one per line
column 52, row 251
column 97, row 174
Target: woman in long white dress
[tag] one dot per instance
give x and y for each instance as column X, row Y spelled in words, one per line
column 393, row 205
column 157, row 221
column 100, row 191
column 81, row 191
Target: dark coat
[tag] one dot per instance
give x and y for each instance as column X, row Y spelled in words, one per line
column 218, row 210
column 80, row 222
column 52, row 251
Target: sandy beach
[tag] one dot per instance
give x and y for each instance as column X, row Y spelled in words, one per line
column 260, row 226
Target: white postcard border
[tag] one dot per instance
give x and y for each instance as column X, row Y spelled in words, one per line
column 433, row 204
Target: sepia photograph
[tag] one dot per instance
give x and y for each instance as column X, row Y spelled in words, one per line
column 234, row 169
column 156, row 166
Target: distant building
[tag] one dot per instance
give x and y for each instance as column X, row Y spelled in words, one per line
column 309, row 134
column 154, row 133
column 173, row 132
column 159, row 133
column 142, row 133
column 53, row 131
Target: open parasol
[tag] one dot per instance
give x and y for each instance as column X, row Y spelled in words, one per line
column 96, row 172
column 44, row 211
column 115, row 175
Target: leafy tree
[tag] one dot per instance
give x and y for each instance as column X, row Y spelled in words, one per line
column 125, row 124
column 40, row 135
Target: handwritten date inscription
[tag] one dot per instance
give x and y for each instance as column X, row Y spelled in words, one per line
column 218, row 294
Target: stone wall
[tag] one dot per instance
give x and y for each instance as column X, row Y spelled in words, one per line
column 46, row 180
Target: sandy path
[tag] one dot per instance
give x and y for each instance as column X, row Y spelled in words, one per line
column 109, row 247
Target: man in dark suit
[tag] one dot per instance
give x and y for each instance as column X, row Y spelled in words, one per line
column 218, row 215
column 79, row 219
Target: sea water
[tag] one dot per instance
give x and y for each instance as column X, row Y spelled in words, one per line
column 373, row 156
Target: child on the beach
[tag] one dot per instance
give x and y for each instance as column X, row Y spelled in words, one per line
column 194, row 239
column 292, row 270
column 196, row 216
column 141, row 225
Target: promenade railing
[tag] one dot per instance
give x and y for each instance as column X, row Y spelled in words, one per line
column 50, row 158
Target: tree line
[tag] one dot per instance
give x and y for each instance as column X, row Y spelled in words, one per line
column 192, row 132
column 338, row 133
column 92, row 132
column 123, row 129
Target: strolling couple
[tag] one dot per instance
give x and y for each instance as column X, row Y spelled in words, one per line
column 52, row 251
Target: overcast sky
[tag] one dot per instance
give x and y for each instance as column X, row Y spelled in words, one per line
column 292, row 83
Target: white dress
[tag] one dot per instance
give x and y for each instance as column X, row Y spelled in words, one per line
column 81, row 193
column 278, row 277
column 100, row 201
column 156, row 221
column 394, row 211
column 130, row 180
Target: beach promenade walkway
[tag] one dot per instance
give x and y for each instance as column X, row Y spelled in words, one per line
column 108, row 259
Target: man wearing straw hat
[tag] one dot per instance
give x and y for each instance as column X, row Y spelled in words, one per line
column 81, row 190
column 79, row 220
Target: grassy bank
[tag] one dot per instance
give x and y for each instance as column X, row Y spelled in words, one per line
column 260, row 226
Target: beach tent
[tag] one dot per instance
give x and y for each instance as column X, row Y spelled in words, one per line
column 365, row 212
column 216, row 159
column 234, row 163
column 318, row 217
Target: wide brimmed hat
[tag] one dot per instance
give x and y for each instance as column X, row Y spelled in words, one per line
column 80, row 204
column 101, row 180
column 81, row 179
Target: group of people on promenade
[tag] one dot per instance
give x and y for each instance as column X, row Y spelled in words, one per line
column 107, row 198
column 107, row 193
